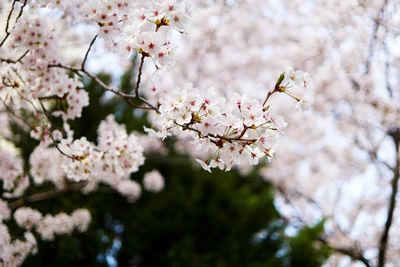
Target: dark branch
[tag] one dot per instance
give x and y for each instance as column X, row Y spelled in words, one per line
column 52, row 137
column 88, row 51
column 9, row 110
column 11, row 61
column 395, row 134
column 44, row 195
column 7, row 29
column 111, row 89
column 21, row 11
column 8, row 23
column 353, row 253
column 139, row 75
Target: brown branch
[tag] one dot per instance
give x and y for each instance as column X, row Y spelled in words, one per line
column 352, row 252
column 87, row 52
column 9, row 110
column 120, row 93
column 129, row 101
column 270, row 93
column 72, row 69
column 277, row 88
column 109, row 88
column 372, row 154
column 219, row 138
column 8, row 23
column 139, row 75
column 7, row 29
column 11, row 61
column 21, row 10
column 127, row 97
column 395, row 134
column 52, row 137
column 44, row 196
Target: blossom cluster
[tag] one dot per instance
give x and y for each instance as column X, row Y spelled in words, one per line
column 143, row 26
column 41, row 77
column 12, row 175
column 33, row 53
column 36, row 42
column 116, row 155
column 294, row 82
column 47, row 164
column 231, row 131
column 48, row 226
column 154, row 26
column 14, row 252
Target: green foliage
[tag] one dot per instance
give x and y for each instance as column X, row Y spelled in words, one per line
column 200, row 219
column 305, row 251
column 209, row 220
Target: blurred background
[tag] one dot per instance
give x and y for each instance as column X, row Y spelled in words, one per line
column 199, row 219
column 328, row 198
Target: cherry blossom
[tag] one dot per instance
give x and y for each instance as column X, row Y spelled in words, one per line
column 47, row 53
column 153, row 181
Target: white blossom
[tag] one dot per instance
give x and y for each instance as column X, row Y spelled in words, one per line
column 27, row 217
column 153, row 181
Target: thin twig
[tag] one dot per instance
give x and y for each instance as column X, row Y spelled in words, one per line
column 270, row 93
column 108, row 87
column 139, row 75
column 216, row 136
column 88, row 51
column 11, row 61
column 52, row 137
column 8, row 23
column 9, row 110
column 72, row 69
column 21, row 11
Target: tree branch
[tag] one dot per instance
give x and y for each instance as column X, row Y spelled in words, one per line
column 377, row 24
column 7, row 29
column 44, row 195
column 8, row 23
column 11, row 61
column 21, row 10
column 395, row 134
column 352, row 252
column 87, row 52
column 109, row 88
column 139, row 75
column 52, row 137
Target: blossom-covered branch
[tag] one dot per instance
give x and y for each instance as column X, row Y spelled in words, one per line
column 47, row 53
